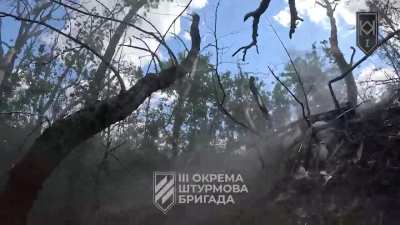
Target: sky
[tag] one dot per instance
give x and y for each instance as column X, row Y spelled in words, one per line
column 314, row 29
column 233, row 32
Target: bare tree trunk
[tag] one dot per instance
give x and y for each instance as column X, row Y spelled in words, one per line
column 351, row 86
column 96, row 85
column 27, row 176
column 179, row 118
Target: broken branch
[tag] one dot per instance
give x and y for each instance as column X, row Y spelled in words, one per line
column 294, row 17
column 256, row 14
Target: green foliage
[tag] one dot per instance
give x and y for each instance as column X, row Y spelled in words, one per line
column 314, row 75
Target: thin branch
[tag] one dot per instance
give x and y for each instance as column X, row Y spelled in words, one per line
column 295, row 70
column 260, row 103
column 105, row 7
column 152, row 56
column 166, row 32
column 381, row 82
column 221, row 101
column 181, row 41
column 28, row 114
column 77, row 41
column 391, row 59
column 293, row 95
column 160, row 40
column 256, row 14
column 171, row 54
column 352, row 55
column 365, row 57
column 146, row 50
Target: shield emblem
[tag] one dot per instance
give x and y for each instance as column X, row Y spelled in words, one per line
column 164, row 190
column 367, row 31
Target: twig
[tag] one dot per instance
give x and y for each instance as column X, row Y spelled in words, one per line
column 152, row 56
column 144, row 49
column 349, row 110
column 221, row 102
column 295, row 70
column 160, row 40
column 293, row 95
column 166, row 32
column 181, row 41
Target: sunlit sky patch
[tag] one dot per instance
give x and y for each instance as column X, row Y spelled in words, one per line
column 234, row 33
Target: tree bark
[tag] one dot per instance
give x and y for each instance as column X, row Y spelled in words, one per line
column 179, row 118
column 351, row 86
column 27, row 176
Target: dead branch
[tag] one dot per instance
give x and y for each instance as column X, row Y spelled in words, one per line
column 221, row 102
column 293, row 95
column 260, row 103
column 256, row 14
column 353, row 53
column 294, row 17
column 365, row 57
column 337, row 54
column 165, row 34
column 307, row 105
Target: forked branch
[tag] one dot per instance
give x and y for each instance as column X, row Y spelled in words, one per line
column 256, row 14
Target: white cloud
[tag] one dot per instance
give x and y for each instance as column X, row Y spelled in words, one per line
column 186, row 36
column 371, row 72
column 367, row 87
column 161, row 17
column 198, row 4
column 283, row 17
column 346, row 10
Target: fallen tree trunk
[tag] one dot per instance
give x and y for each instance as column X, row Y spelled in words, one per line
column 27, row 176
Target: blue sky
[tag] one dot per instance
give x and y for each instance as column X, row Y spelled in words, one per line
column 314, row 29
column 271, row 53
column 234, row 33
